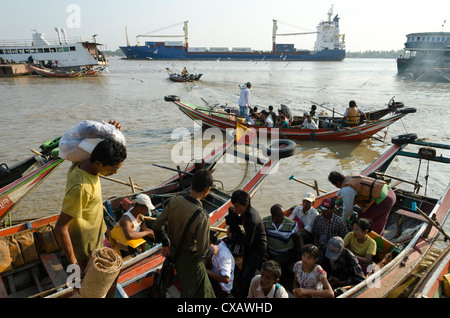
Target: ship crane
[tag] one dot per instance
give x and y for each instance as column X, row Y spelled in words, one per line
column 148, row 35
column 275, row 34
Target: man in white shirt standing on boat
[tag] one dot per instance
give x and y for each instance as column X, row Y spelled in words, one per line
column 244, row 100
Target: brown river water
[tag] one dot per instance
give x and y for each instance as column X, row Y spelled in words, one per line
column 35, row 109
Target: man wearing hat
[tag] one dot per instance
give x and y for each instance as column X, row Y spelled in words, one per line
column 131, row 222
column 341, row 264
column 327, row 225
column 244, row 100
column 308, row 123
column 304, row 215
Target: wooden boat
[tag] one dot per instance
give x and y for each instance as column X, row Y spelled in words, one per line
column 435, row 282
column 180, row 78
column 46, row 72
column 94, row 72
column 44, row 275
column 329, row 128
column 376, row 169
column 405, row 249
column 18, row 181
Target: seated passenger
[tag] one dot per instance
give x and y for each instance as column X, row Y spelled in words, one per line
column 308, row 123
column 273, row 115
column 327, row 225
column 304, row 215
column 221, row 269
column 266, row 285
column 282, row 237
column 131, row 223
column 359, row 242
column 283, row 122
column 341, row 265
column 267, row 119
column 352, row 114
column 310, row 280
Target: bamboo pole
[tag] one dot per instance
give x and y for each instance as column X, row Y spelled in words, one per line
column 122, row 182
column 315, row 187
column 430, row 220
column 216, row 229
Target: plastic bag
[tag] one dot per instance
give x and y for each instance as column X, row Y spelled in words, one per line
column 77, row 143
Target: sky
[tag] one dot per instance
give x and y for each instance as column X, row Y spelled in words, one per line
column 367, row 24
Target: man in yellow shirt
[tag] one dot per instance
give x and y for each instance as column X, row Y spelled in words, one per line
column 80, row 227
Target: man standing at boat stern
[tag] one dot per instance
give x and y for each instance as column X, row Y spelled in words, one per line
column 373, row 196
column 188, row 253
column 244, row 101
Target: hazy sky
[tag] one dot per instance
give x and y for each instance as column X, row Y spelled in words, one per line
column 367, row 24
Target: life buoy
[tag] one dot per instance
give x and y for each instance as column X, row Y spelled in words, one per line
column 284, row 148
column 407, row 110
column 404, row 139
column 171, row 98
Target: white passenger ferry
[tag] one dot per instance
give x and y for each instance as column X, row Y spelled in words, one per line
column 426, row 56
column 59, row 53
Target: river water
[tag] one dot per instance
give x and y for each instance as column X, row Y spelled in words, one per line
column 35, row 109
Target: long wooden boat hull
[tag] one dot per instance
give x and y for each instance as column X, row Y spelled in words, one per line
column 385, row 281
column 15, row 192
column 432, row 283
column 51, row 73
column 223, row 121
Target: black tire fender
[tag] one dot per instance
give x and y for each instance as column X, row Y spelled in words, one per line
column 407, row 110
column 284, row 148
column 404, row 139
column 171, row 98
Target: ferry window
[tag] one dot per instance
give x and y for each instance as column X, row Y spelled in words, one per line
column 52, row 50
column 20, row 51
column 59, row 49
column 13, row 51
column 40, row 50
column 33, row 51
column 72, row 48
column 433, row 39
column 7, row 51
column 1, row 52
column 418, row 38
column 428, row 38
column 46, row 50
column 27, row 50
column 66, row 49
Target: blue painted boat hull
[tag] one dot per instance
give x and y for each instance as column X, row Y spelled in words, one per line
column 180, row 53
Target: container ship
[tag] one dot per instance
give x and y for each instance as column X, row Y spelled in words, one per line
column 329, row 46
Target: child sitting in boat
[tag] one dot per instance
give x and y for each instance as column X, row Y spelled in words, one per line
column 310, row 280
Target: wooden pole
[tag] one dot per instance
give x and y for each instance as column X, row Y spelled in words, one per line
column 430, row 220
column 216, row 229
column 315, row 187
column 122, row 182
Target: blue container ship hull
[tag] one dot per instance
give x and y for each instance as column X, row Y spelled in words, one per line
column 180, row 53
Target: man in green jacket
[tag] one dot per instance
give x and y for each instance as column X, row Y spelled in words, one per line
column 195, row 247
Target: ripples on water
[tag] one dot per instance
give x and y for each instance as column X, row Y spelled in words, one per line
column 36, row 109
